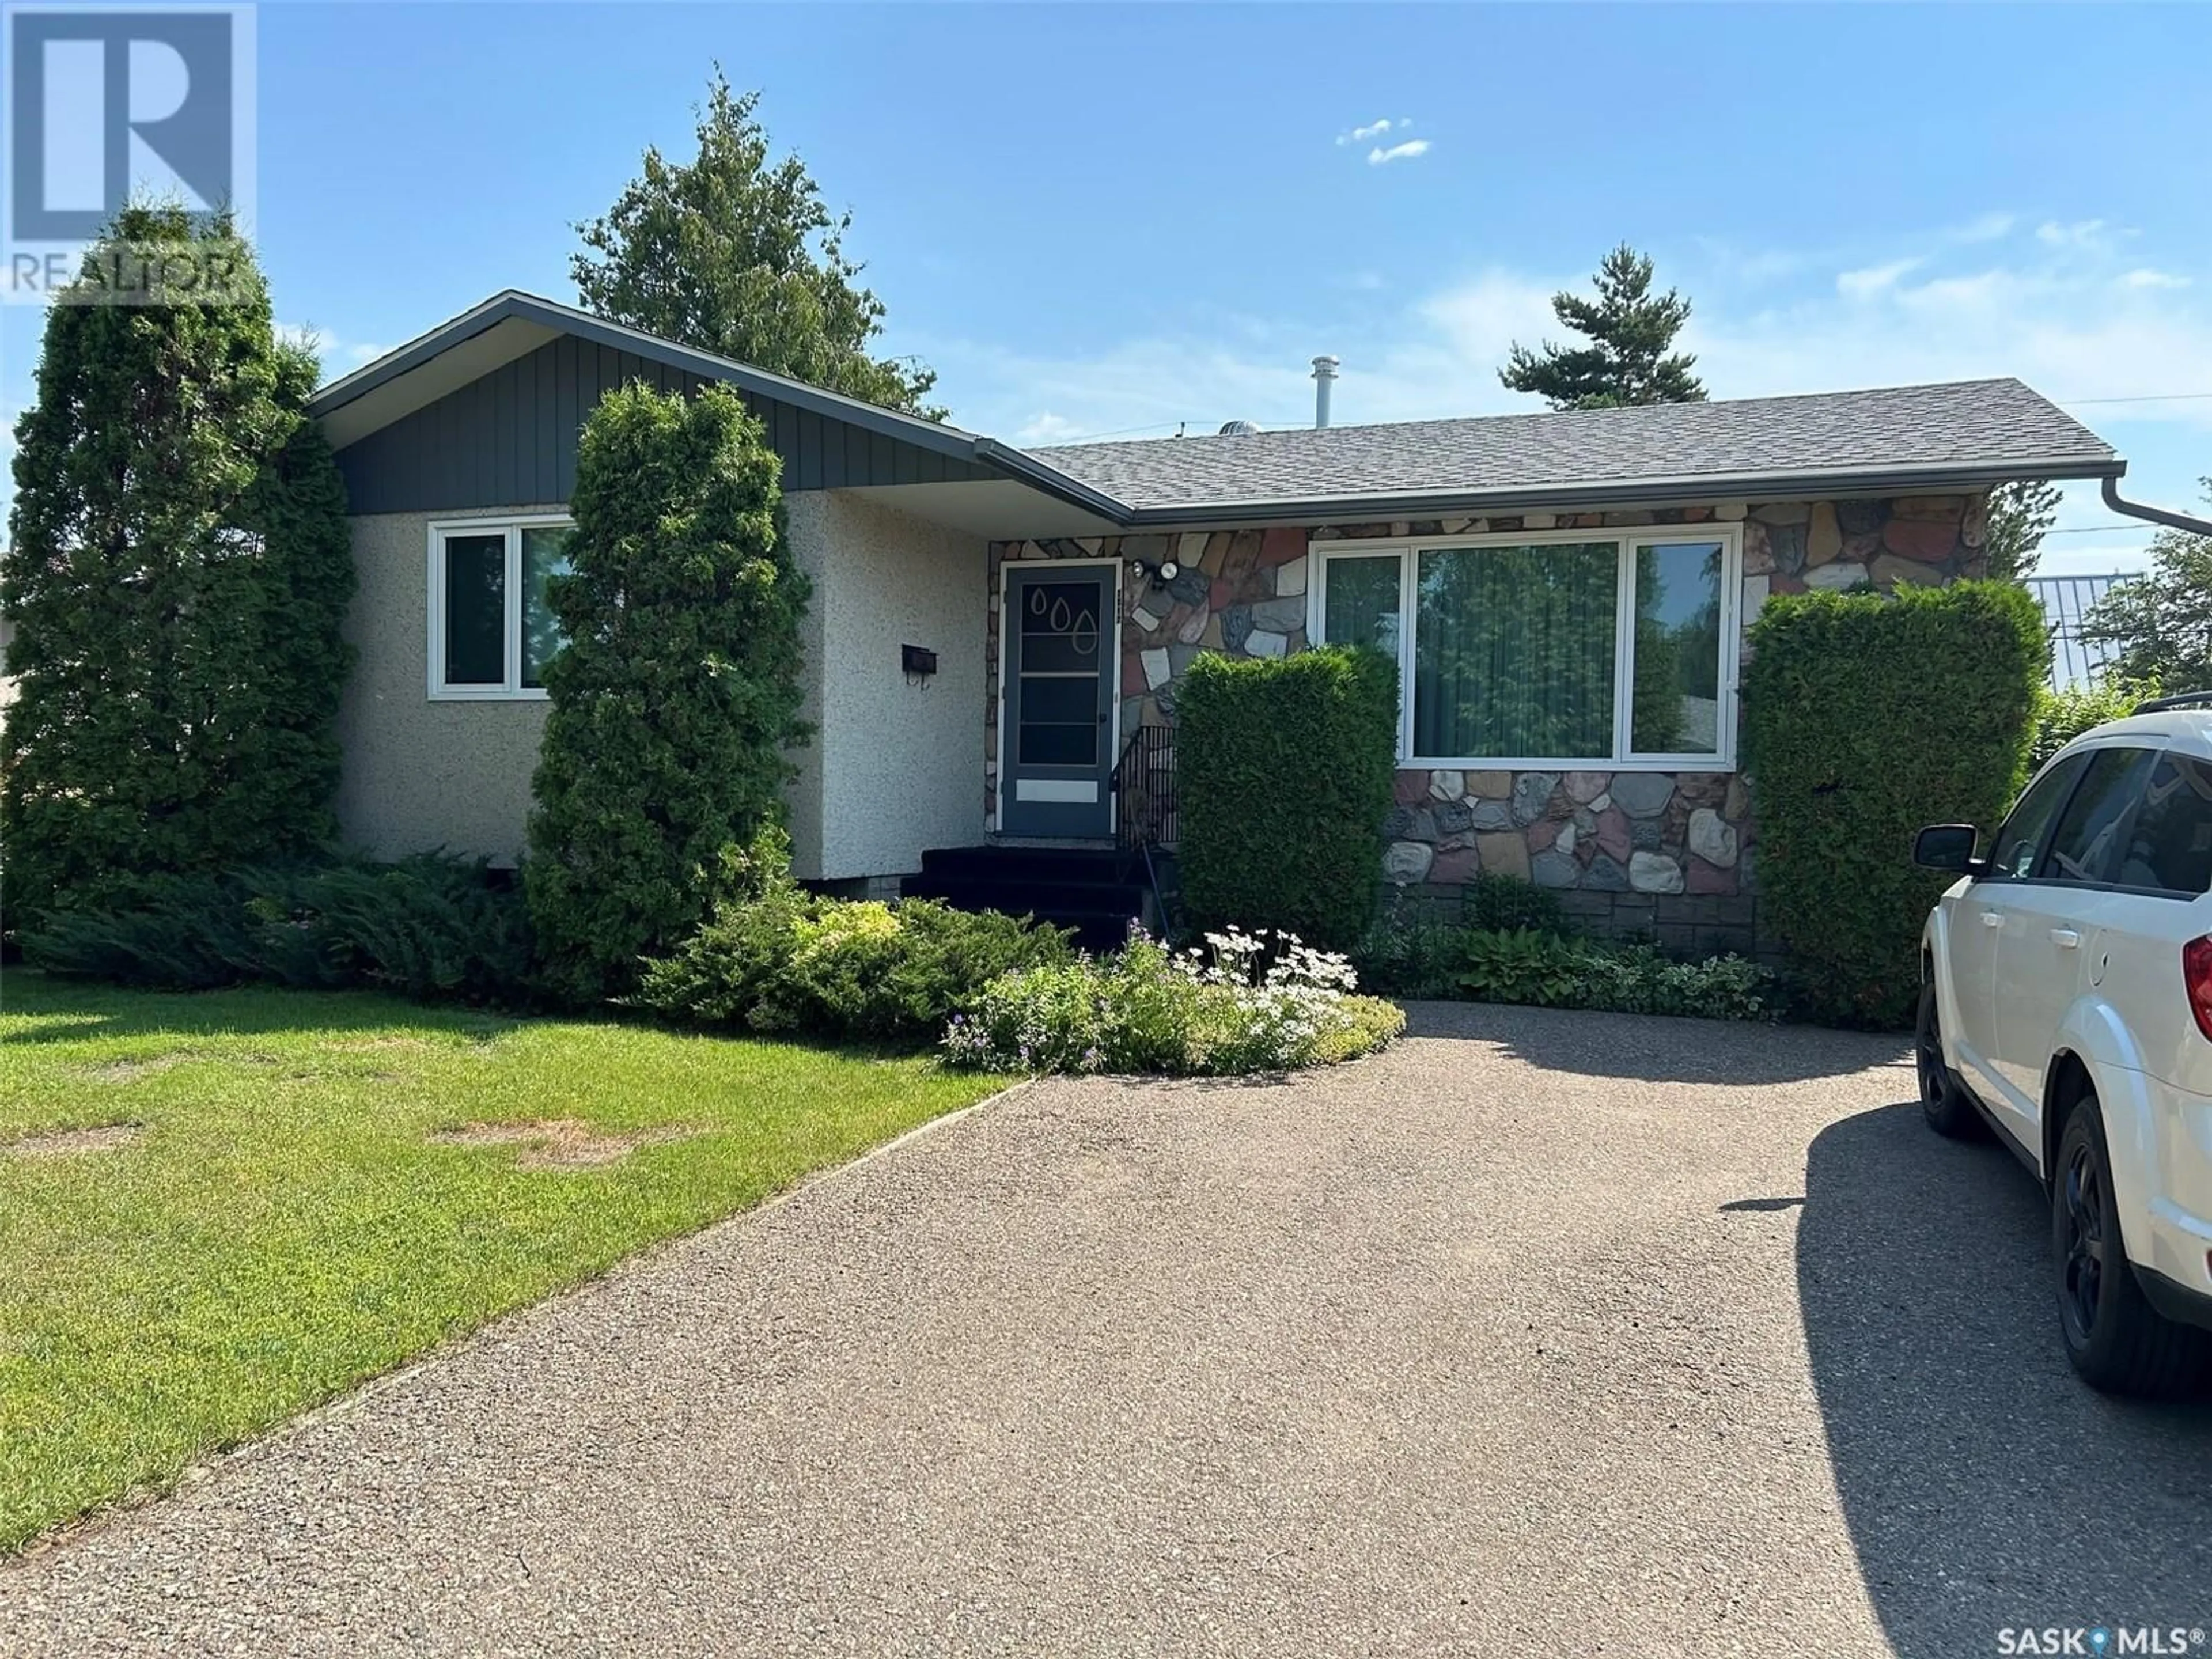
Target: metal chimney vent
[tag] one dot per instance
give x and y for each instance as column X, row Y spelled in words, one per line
column 1236, row 428
column 1324, row 373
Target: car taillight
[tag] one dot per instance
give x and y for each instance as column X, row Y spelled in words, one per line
column 2197, row 978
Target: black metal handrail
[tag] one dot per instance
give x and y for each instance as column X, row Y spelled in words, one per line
column 1145, row 791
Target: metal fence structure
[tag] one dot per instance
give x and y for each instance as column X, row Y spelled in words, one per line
column 2064, row 600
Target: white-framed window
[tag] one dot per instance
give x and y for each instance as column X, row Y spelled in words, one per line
column 1613, row 648
column 491, row 630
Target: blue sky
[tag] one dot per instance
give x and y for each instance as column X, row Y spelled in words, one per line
column 1094, row 220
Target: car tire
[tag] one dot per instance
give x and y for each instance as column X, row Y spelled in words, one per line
column 2116, row 1341
column 1943, row 1100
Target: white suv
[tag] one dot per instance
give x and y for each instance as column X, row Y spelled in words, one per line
column 2066, row 1000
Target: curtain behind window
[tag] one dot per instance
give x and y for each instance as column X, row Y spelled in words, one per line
column 1359, row 602
column 1514, row 651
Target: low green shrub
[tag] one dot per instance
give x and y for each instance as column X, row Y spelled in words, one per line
column 1637, row 978
column 772, row 957
column 1495, row 901
column 1285, row 769
column 429, row 926
column 2062, row 716
column 1410, row 950
column 1522, row 965
column 1548, row 971
column 175, row 932
column 1211, row 1010
column 1865, row 717
column 1360, row 1026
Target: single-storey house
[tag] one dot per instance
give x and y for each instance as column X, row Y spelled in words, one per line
column 993, row 629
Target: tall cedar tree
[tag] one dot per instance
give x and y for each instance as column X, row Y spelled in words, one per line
column 677, row 692
column 1627, row 361
column 736, row 255
column 2156, row 629
column 2019, row 516
column 177, row 570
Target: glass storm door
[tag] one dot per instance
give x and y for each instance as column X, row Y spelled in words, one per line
column 1058, row 631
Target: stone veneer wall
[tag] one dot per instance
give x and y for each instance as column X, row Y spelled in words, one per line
column 1672, row 854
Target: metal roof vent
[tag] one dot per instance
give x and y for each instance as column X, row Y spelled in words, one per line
column 1324, row 373
column 1237, row 428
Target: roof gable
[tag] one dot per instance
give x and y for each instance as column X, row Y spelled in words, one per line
column 508, row 437
column 484, row 410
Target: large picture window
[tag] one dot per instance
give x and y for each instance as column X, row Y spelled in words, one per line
column 492, row 631
column 1551, row 648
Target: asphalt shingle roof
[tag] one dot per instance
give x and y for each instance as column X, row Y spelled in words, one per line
column 1967, row 423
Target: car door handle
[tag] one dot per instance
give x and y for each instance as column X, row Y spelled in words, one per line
column 2065, row 937
column 1992, row 918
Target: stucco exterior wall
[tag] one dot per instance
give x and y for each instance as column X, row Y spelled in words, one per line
column 1632, row 849
column 419, row 774
column 892, row 768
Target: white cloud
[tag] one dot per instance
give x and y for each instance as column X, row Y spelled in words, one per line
column 2092, row 234
column 2148, row 278
column 338, row 357
column 1049, row 428
column 1984, row 228
column 1438, row 356
column 2072, row 323
column 1865, row 284
column 1372, row 129
column 1405, row 152
column 2070, row 334
column 352, row 355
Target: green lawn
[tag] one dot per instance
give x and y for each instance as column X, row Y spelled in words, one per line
column 283, row 1225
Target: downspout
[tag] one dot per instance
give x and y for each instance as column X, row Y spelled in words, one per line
column 2159, row 515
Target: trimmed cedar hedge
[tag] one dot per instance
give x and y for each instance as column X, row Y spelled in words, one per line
column 1865, row 717
column 1284, row 772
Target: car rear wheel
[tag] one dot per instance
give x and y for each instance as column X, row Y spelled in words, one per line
column 2115, row 1339
column 1943, row 1100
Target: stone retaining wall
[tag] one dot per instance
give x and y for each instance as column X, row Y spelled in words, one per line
column 1669, row 853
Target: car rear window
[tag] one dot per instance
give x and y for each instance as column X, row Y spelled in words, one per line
column 2170, row 846
column 2092, row 835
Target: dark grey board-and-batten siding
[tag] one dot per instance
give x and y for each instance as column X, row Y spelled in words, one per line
column 509, row 439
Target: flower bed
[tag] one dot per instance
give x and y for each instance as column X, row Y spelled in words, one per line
column 1239, row 1004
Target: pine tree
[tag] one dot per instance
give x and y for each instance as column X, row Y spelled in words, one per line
column 177, row 568
column 2018, row 516
column 733, row 254
column 1627, row 361
column 677, row 692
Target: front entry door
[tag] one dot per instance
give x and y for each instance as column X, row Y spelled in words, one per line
column 1058, row 645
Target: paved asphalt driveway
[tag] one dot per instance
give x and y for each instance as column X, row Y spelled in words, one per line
column 1545, row 1334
